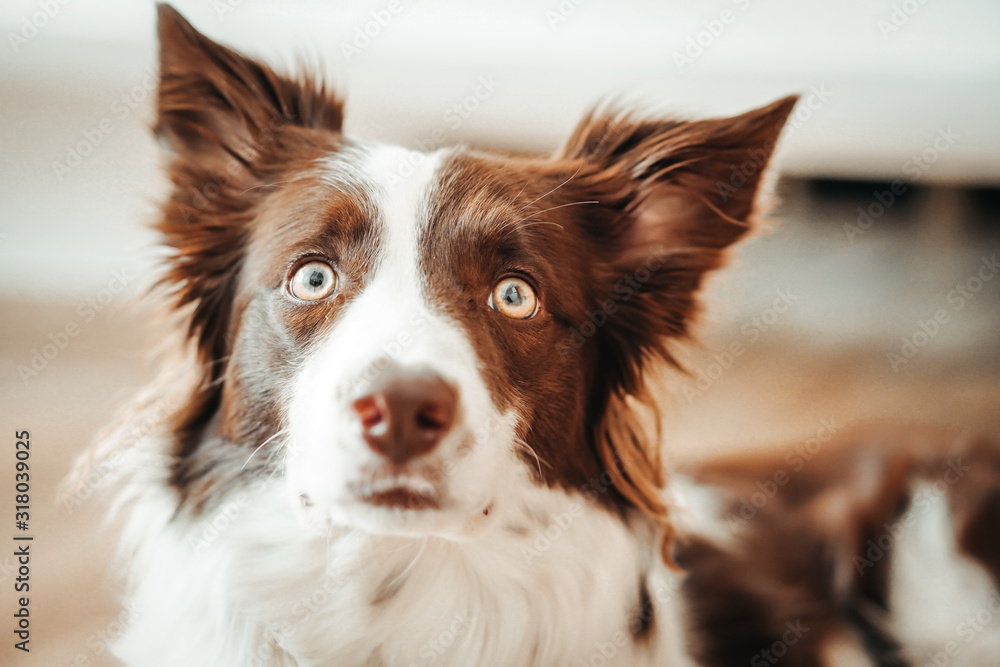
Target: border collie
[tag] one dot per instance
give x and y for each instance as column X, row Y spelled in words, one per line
column 408, row 421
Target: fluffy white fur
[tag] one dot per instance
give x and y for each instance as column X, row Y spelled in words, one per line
column 551, row 584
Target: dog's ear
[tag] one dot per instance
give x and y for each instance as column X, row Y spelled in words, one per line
column 671, row 195
column 215, row 102
column 670, row 198
column 229, row 123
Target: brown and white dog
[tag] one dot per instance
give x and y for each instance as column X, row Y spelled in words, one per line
column 407, row 428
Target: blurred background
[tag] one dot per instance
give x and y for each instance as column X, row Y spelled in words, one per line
column 873, row 294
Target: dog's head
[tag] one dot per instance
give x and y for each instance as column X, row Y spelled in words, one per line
column 416, row 337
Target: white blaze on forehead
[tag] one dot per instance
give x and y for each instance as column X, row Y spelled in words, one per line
column 401, row 201
column 393, row 319
column 387, row 318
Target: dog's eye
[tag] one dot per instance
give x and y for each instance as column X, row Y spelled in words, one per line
column 514, row 298
column 313, row 281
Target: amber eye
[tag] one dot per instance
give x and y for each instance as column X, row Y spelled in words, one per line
column 514, row 298
column 313, row 281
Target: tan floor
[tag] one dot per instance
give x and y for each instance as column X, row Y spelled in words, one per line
column 70, row 602
column 777, row 391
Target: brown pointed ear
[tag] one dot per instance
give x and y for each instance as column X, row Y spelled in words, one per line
column 690, row 183
column 214, row 101
column 672, row 196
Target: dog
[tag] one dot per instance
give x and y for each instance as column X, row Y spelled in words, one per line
column 407, row 421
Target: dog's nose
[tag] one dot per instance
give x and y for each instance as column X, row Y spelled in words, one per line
column 406, row 414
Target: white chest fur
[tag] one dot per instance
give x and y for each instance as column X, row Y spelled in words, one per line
column 550, row 582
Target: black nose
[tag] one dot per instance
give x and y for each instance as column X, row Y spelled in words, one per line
column 406, row 413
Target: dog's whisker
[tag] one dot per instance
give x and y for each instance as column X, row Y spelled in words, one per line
column 509, row 226
column 282, row 431
column 274, row 453
column 220, row 361
column 572, row 203
column 532, row 223
column 519, row 193
column 538, row 460
column 416, row 558
column 264, row 185
column 572, row 176
column 217, row 382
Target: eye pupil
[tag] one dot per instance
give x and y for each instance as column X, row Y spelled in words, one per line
column 512, row 295
column 316, row 279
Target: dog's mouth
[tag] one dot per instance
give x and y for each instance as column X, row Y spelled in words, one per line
column 399, row 491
